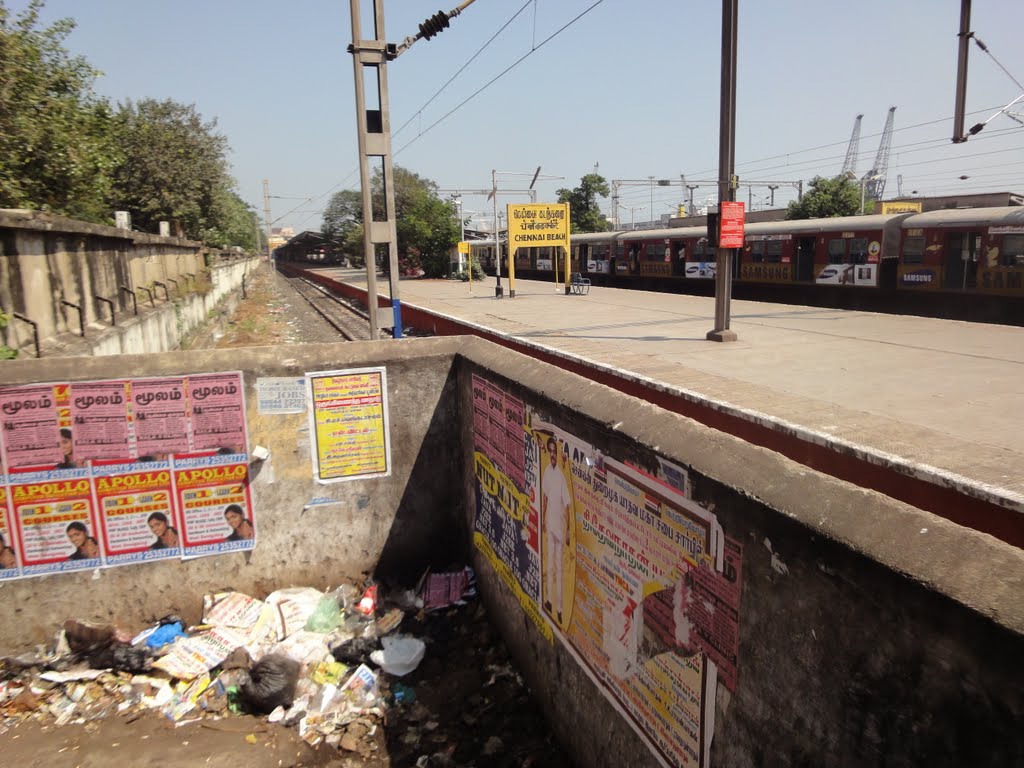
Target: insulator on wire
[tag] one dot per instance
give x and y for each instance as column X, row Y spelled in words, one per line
column 433, row 25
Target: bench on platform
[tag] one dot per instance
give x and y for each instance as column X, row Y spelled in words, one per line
column 579, row 284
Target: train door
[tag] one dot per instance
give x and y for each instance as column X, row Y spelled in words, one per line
column 961, row 267
column 805, row 259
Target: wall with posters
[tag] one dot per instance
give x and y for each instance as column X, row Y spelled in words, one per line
column 677, row 597
column 128, row 497
column 45, row 259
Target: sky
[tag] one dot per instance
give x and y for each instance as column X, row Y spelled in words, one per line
column 629, row 87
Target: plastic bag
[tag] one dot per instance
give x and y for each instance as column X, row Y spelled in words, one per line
column 271, row 683
column 325, row 617
column 401, row 654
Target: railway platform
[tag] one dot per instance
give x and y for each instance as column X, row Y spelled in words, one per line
column 925, row 410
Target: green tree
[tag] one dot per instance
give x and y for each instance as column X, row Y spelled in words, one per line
column 174, row 169
column 57, row 151
column 584, row 213
column 233, row 222
column 427, row 226
column 826, row 198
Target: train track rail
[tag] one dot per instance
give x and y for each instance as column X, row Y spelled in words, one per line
column 342, row 315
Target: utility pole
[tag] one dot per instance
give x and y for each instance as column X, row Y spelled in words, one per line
column 369, row 58
column 726, row 168
column 266, row 213
column 772, row 188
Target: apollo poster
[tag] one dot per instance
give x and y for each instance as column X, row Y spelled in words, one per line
column 138, row 519
column 214, row 503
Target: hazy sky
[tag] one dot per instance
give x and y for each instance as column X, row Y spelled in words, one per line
column 632, row 85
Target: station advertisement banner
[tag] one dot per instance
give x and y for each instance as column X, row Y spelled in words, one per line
column 920, row 277
column 597, row 267
column 701, row 270
column 860, row 275
column 637, row 580
column 349, row 424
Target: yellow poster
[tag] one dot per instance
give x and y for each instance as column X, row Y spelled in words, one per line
column 349, row 424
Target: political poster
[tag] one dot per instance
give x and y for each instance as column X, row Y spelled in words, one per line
column 349, row 424
column 135, row 504
column 214, row 503
column 54, row 521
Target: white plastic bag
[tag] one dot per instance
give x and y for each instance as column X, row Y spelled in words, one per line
column 401, row 654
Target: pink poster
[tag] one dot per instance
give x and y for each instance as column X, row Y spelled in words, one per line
column 217, row 408
column 32, row 432
column 135, row 505
column 54, row 521
column 99, row 416
column 160, row 414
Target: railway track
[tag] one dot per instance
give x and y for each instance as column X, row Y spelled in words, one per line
column 346, row 318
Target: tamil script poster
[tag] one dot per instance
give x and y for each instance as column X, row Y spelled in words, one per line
column 100, row 423
column 31, row 429
column 54, row 521
column 217, row 410
column 9, row 567
column 505, row 527
column 135, row 505
column 160, row 417
column 214, row 504
column 349, row 424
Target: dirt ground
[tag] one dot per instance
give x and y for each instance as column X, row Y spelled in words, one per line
column 464, row 706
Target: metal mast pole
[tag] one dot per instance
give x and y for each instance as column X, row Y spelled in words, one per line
column 497, row 244
column 266, row 213
column 726, row 168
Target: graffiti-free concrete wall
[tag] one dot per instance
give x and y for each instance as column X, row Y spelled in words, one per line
column 49, row 263
column 871, row 633
column 309, row 533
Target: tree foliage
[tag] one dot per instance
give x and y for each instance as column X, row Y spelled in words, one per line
column 65, row 150
column 584, row 212
column 174, row 169
column 827, row 198
column 427, row 226
column 56, row 148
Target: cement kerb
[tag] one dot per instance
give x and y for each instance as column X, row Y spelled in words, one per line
column 995, row 495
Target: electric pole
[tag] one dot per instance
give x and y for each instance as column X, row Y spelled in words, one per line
column 266, row 213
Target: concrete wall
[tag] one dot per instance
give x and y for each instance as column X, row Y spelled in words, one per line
column 398, row 525
column 871, row 633
column 46, row 258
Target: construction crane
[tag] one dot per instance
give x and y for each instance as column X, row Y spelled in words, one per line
column 850, row 164
column 874, row 180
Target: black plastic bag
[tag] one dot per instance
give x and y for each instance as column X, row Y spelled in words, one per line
column 271, row 684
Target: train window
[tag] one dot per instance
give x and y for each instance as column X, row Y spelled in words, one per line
column 1012, row 251
column 655, row 253
column 836, row 250
column 913, row 250
column 859, row 250
column 757, row 251
column 620, row 250
column 701, row 249
column 773, row 251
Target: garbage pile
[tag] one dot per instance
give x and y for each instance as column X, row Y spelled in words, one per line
column 324, row 663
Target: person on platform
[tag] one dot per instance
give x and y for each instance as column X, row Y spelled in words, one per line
column 86, row 547
column 241, row 527
column 556, row 511
column 166, row 536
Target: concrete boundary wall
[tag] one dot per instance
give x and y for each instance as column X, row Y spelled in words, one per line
column 308, row 533
column 46, row 260
column 870, row 632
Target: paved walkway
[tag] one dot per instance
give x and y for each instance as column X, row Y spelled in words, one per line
column 944, row 396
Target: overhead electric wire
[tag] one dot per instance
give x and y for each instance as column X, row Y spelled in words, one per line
column 462, row 68
column 500, row 75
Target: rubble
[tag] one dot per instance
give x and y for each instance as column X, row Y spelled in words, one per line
column 306, row 660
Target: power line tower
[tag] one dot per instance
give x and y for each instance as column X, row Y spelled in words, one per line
column 874, row 180
column 850, row 164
